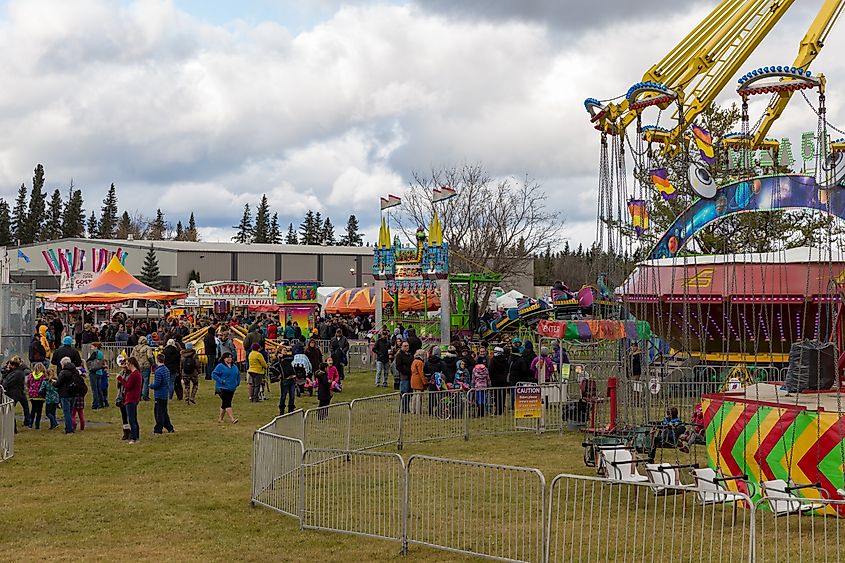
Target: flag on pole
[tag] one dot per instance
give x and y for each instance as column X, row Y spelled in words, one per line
column 443, row 193
column 704, row 141
column 390, row 201
column 639, row 215
column 660, row 178
column 23, row 256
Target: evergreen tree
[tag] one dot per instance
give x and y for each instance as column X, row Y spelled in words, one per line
column 5, row 224
column 37, row 215
column 328, row 233
column 158, row 228
column 291, row 236
column 318, row 227
column 309, row 230
column 19, row 215
column 53, row 226
column 92, row 226
column 124, row 226
column 191, row 233
column 275, row 232
column 150, row 274
column 73, row 217
column 245, row 229
column 108, row 216
column 352, row 237
column 261, row 232
column 180, row 231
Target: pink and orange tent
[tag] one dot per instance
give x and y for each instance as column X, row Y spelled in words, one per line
column 362, row 301
column 114, row 285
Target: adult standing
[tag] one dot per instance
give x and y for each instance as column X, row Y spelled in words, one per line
column 95, row 364
column 414, row 341
column 66, row 385
column 226, row 344
column 226, row 377
column 171, row 360
column 315, row 356
column 132, row 387
column 253, row 337
column 37, row 351
column 418, row 381
column 78, row 328
column 34, row 380
column 66, row 350
column 121, row 395
column 209, row 343
column 58, row 329
column 14, row 384
column 145, row 358
column 499, row 377
column 339, row 346
column 255, row 372
column 161, row 394
column 404, row 360
column 381, row 349
column 190, row 373
column 283, row 369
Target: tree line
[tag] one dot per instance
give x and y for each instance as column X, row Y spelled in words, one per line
column 579, row 267
column 35, row 218
column 314, row 229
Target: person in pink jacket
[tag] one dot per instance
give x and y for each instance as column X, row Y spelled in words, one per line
column 543, row 368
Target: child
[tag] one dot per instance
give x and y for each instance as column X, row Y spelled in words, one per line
column 480, row 382
column 334, row 376
column 161, row 387
column 34, row 379
column 51, row 397
column 670, row 430
column 78, row 411
column 461, row 380
column 324, row 391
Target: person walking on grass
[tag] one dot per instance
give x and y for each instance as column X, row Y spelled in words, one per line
column 161, row 394
column 171, row 360
column 66, row 349
column 132, row 383
column 34, row 379
column 143, row 354
column 226, row 378
column 77, row 415
column 255, row 372
column 66, row 385
column 14, row 384
column 51, row 397
column 209, row 343
column 190, row 373
column 95, row 364
column 283, row 369
column 121, row 394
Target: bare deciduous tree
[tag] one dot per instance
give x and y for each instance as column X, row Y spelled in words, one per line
column 492, row 225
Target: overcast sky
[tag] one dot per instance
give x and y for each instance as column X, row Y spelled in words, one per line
column 200, row 105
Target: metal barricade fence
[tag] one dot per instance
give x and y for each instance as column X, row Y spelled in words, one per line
column 327, row 428
column 355, row 492
column 432, row 415
column 276, row 461
column 491, row 411
column 476, row 508
column 7, row 426
column 290, row 425
column 648, row 401
column 374, row 421
column 592, row 519
column 360, row 356
column 791, row 528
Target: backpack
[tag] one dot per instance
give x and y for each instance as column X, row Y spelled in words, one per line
column 299, row 370
column 81, row 389
column 190, row 364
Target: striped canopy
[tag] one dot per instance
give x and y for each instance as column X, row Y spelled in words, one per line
column 114, row 285
column 362, row 301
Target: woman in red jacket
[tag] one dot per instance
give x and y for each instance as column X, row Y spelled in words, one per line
column 132, row 384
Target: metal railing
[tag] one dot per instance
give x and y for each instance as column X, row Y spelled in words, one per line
column 275, row 472
column 7, row 426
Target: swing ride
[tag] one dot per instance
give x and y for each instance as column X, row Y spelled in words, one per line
column 770, row 440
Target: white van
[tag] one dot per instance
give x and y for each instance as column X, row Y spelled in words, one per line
column 139, row 309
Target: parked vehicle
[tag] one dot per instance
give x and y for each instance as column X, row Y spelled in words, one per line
column 139, row 309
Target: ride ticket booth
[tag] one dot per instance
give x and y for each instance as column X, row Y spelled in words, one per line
column 298, row 303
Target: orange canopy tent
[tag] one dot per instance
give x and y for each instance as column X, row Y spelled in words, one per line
column 114, row 285
column 362, row 301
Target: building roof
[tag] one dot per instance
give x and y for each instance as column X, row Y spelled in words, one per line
column 202, row 246
column 798, row 255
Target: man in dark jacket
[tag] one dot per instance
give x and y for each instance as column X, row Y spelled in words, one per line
column 66, row 350
column 172, row 359
column 339, row 347
column 209, row 342
column 381, row 349
column 253, row 337
column 403, row 360
column 37, row 353
column 414, row 341
column 14, row 380
column 58, row 329
column 67, row 386
column 189, row 368
column 498, row 369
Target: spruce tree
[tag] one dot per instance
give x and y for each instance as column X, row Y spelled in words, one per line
column 92, row 226
column 19, row 216
column 150, row 274
column 291, row 236
column 245, row 230
column 124, row 226
column 5, row 224
column 37, row 215
column 318, row 228
column 275, row 232
column 73, row 216
column 328, row 233
column 308, row 230
column 158, row 228
column 108, row 216
column 352, row 237
column 261, row 232
column 191, row 232
column 180, row 231
column 53, row 226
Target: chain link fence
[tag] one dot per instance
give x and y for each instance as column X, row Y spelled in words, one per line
column 7, row 426
column 17, row 319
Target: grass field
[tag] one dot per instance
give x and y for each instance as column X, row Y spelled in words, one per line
column 186, row 496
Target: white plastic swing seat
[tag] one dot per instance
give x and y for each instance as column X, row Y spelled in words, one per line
column 783, row 502
column 709, row 489
column 665, row 477
column 621, row 466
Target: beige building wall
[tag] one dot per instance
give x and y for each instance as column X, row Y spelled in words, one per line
column 212, row 266
column 258, row 267
column 299, row 267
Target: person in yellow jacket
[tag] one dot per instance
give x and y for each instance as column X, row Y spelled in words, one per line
column 255, row 372
column 42, row 331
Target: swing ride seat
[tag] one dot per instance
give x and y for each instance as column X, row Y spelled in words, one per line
column 707, row 483
column 666, row 477
column 592, row 446
column 778, row 494
column 621, row 465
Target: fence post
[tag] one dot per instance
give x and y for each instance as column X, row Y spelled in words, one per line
column 466, row 410
column 401, row 418
column 348, row 427
column 405, row 512
column 611, row 393
column 302, row 491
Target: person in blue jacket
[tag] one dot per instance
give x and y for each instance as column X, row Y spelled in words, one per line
column 161, row 388
column 226, row 378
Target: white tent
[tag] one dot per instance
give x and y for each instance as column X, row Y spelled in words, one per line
column 323, row 294
column 509, row 300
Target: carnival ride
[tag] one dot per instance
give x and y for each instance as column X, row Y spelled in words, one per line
column 775, row 442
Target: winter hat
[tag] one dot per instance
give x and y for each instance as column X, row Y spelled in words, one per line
column 498, row 350
column 517, row 340
column 189, row 345
column 435, row 351
column 256, row 347
column 171, row 342
column 67, row 340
